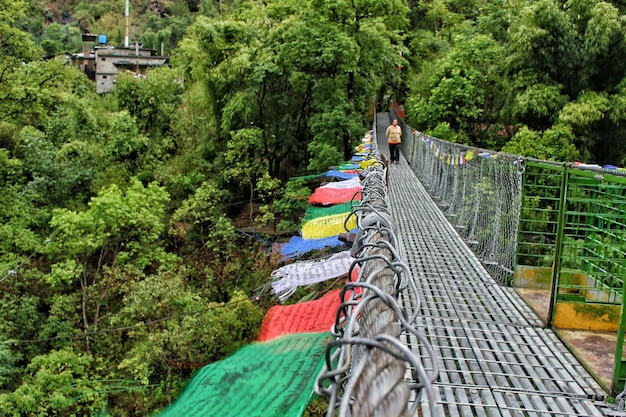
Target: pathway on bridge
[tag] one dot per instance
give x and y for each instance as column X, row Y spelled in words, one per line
column 495, row 358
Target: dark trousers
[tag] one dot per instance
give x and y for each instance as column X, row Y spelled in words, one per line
column 394, row 151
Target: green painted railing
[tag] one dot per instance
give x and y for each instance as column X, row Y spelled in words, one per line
column 573, row 222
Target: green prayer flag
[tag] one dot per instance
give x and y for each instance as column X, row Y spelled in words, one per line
column 268, row 379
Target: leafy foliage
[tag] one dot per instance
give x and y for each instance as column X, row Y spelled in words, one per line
column 121, row 266
column 110, row 229
column 291, row 205
column 153, row 101
column 551, row 145
column 58, row 39
column 33, row 89
column 463, row 89
column 546, row 67
column 201, row 217
column 54, row 386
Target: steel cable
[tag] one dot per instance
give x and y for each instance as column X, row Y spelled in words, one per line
column 365, row 372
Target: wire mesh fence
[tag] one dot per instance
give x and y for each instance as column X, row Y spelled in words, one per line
column 479, row 192
column 562, row 224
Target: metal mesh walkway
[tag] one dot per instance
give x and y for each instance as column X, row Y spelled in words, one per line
column 495, row 358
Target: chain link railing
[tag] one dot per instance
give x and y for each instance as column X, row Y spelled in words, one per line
column 365, row 373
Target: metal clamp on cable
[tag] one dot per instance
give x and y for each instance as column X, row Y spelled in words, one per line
column 347, row 238
column 376, row 220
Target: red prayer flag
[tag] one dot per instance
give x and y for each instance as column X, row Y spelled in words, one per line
column 327, row 196
column 309, row 317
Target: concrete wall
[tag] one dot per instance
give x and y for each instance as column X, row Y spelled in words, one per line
column 594, row 311
column 109, row 62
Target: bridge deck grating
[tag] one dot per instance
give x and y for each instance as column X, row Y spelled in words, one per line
column 494, row 356
column 478, row 401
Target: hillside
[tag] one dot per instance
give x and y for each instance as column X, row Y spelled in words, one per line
column 120, row 254
column 58, row 25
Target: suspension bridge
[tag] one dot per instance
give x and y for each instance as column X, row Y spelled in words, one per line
column 477, row 284
column 495, row 355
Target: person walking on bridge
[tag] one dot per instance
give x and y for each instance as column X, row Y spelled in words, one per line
column 394, row 138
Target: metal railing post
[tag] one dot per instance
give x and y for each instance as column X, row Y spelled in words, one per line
column 558, row 249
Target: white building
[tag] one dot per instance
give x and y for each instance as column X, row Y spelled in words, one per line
column 104, row 63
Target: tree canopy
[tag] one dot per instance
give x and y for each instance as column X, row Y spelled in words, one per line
column 124, row 264
column 547, row 66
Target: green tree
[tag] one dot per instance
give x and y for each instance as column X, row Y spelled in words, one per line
column 536, row 104
column 19, row 217
column 194, row 330
column 555, row 144
column 612, row 145
column 245, row 87
column 157, row 40
column 8, row 368
column 243, row 164
column 544, row 39
column 55, row 385
column 586, row 117
column 291, row 205
column 558, row 71
column 31, row 92
column 215, row 8
column 119, row 235
column 602, row 42
column 153, row 101
column 376, row 30
column 165, row 30
column 126, row 147
column 464, row 90
column 58, row 174
column 58, row 38
column 16, row 45
column 201, row 219
column 277, row 66
column 315, row 53
column 166, row 344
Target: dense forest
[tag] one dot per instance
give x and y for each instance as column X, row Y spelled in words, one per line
column 123, row 265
